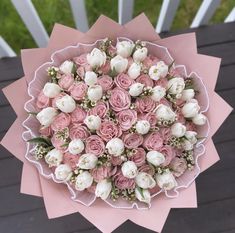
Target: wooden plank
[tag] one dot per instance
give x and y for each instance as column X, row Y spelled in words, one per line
column 3, row 99
column 8, row 114
column 226, row 79
column 79, row 14
column 5, row 49
column 167, row 14
column 125, row 11
column 32, row 21
column 205, row 12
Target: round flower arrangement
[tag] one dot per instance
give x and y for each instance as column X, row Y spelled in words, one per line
column 122, row 123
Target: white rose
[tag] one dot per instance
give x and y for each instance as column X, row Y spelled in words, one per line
column 103, row 189
column 158, row 93
column 54, row 157
column 164, row 112
column 87, row 161
column 96, row 58
column 90, row 78
column 46, row 116
column 199, row 119
column 76, row 146
column 134, row 70
column 115, row 146
column 124, row 48
column 166, row 180
column 190, row 109
column 93, row 122
column 95, row 93
column 63, row 172
column 187, row 145
column 140, row 54
column 178, row 130
column 158, row 71
column 142, row 127
column 144, row 180
column 136, row 89
column 51, row 90
column 156, row 158
column 175, row 85
column 187, row 94
column 143, row 195
column 66, row 104
column 67, row 67
column 129, row 169
column 119, row 64
column 191, row 136
column 83, row 181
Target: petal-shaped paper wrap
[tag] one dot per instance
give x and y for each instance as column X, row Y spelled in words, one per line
column 56, row 197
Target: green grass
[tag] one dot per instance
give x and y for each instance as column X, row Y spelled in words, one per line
column 13, row 30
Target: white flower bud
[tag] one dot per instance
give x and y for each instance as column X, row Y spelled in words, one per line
column 76, row 146
column 166, row 180
column 119, row 64
column 54, row 158
column 158, row 71
column 93, row 122
column 142, row 127
column 124, row 48
column 199, row 119
column 63, row 172
column 83, row 181
column 178, row 130
column 140, row 54
column 134, row 70
column 136, row 89
column 187, row 145
column 158, row 93
column 46, row 116
column 66, row 104
column 191, row 136
column 115, row 146
column 143, row 195
column 164, row 112
column 51, row 90
column 67, row 67
column 95, row 93
column 129, row 169
column 156, row 158
column 176, row 85
column 96, row 58
column 103, row 189
column 87, row 161
column 187, row 94
column 90, row 78
column 145, row 181
column 190, row 109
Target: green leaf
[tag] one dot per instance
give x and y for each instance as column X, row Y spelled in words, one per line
column 40, row 140
column 170, row 66
column 141, row 191
column 113, row 73
column 74, row 69
column 32, row 113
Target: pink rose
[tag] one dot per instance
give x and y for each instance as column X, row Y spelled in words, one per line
column 100, row 109
column 116, row 160
column 147, row 168
column 147, row 62
column 130, row 61
column 190, row 126
column 71, row 160
column 132, row 140
column 61, row 121
column 78, row 115
column 78, row 131
column 161, row 82
column 145, row 104
column 58, row 143
column 150, row 117
column 102, row 172
column 123, row 81
column 145, row 79
column 106, row 82
column 45, row 131
column 169, row 154
column 126, row 118
column 122, row 182
column 81, row 60
column 180, row 117
column 78, row 90
column 105, row 68
column 81, row 71
column 119, row 99
column 66, row 81
column 178, row 166
column 42, row 100
column 138, row 157
column 108, row 130
column 95, row 145
column 165, row 134
column 153, row 141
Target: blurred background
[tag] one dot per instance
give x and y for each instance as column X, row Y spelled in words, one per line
column 17, row 36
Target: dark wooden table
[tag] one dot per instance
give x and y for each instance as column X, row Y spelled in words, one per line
column 216, row 187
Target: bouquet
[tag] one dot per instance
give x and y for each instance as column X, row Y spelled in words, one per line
column 117, row 122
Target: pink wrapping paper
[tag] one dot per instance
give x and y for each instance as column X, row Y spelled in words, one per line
column 56, row 198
